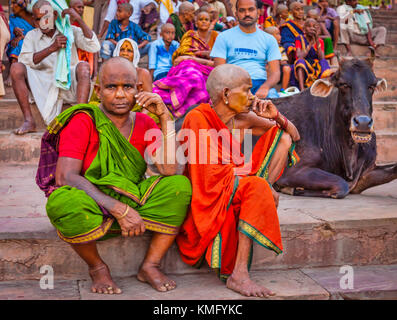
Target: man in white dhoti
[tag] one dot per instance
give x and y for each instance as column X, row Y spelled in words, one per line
column 36, row 69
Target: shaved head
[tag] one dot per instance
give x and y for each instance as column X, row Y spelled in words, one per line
column 281, row 8
column 295, row 4
column 225, row 76
column 40, row 3
column 72, row 3
column 168, row 26
column 186, row 7
column 113, row 64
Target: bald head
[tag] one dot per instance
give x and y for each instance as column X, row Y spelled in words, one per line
column 167, row 27
column 281, row 8
column 73, row 3
column 295, row 5
column 113, row 65
column 186, row 7
column 225, row 76
column 40, row 3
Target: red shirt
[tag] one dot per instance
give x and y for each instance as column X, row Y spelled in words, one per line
column 80, row 140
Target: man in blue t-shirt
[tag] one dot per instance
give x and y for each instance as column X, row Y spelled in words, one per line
column 250, row 48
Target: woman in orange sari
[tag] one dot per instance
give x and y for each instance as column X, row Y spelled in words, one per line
column 184, row 85
column 233, row 203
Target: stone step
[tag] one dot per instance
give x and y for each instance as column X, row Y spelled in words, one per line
column 11, row 115
column 386, row 146
column 369, row 282
column 316, row 232
column 358, row 50
column 385, row 116
column 26, row 149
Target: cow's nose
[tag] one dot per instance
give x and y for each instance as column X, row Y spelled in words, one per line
column 363, row 123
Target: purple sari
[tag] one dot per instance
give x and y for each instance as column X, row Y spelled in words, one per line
column 184, row 86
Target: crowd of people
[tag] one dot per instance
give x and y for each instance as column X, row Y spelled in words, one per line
column 296, row 48
column 211, row 67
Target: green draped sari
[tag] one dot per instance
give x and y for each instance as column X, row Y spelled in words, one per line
column 118, row 171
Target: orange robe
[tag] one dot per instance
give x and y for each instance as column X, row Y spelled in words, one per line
column 225, row 199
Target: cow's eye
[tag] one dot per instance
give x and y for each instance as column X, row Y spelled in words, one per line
column 344, row 86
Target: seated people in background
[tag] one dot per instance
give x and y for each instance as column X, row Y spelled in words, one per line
column 311, row 63
column 252, row 49
column 184, row 85
column 330, row 17
column 137, row 6
column 220, row 7
column 214, row 15
column 21, row 22
column 4, row 39
column 149, row 17
column 241, row 206
column 128, row 49
column 37, row 65
column 356, row 26
column 90, row 57
column 161, row 51
column 166, row 8
column 121, row 28
column 279, row 18
column 323, row 33
column 183, row 20
column 291, row 29
column 285, row 68
column 110, row 194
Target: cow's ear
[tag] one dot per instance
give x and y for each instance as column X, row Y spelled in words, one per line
column 321, row 88
column 381, row 85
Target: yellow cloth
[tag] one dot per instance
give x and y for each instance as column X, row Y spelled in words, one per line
column 168, row 5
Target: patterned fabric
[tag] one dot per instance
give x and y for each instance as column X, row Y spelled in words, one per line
column 289, row 31
column 184, row 85
column 118, row 171
column 313, row 67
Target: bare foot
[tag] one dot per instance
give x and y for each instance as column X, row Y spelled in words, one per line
column 102, row 281
column 8, row 82
column 245, row 286
column 152, row 274
column 27, row 126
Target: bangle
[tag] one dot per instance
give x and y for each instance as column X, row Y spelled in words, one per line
column 125, row 212
column 278, row 113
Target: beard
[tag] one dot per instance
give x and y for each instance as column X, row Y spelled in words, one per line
column 248, row 22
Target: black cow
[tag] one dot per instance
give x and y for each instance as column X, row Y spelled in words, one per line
column 338, row 143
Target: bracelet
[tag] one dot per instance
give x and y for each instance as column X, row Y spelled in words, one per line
column 125, row 212
column 275, row 118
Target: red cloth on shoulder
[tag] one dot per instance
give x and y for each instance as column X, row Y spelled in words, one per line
column 80, row 140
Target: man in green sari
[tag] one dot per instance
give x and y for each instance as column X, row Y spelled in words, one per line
column 96, row 188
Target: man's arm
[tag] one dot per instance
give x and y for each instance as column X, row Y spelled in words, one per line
column 76, row 17
column 219, row 61
column 272, row 79
column 59, row 42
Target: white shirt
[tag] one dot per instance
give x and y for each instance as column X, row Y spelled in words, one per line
column 138, row 5
column 41, row 76
column 347, row 20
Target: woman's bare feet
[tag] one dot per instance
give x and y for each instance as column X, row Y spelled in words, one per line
column 27, row 126
column 245, row 286
column 152, row 274
column 102, row 281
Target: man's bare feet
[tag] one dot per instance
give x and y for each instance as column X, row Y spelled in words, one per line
column 102, row 281
column 27, row 126
column 152, row 274
column 245, row 286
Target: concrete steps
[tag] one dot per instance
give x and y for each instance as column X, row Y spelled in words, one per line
column 387, row 51
column 370, row 282
column 26, row 148
column 316, row 232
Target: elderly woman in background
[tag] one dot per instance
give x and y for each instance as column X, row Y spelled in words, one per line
column 184, row 85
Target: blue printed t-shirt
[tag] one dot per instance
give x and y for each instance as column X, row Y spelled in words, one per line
column 251, row 51
column 133, row 32
column 159, row 58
